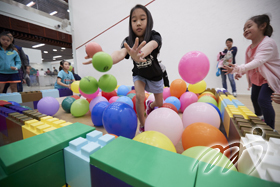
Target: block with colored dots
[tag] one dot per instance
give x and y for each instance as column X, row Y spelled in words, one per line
column 76, row 156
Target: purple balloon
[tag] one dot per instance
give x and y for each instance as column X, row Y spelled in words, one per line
column 48, row 106
column 95, row 101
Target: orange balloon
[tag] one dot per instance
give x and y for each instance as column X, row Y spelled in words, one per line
column 203, row 134
column 114, row 135
column 178, row 87
column 147, row 95
column 171, row 106
column 208, row 94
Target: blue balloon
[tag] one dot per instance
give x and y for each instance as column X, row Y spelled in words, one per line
column 122, row 90
column 174, row 100
column 218, row 110
column 120, row 119
column 125, row 99
column 14, row 103
column 97, row 112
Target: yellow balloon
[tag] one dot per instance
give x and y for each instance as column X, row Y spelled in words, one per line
column 156, row 139
column 208, row 93
column 198, row 87
column 117, row 87
column 75, row 86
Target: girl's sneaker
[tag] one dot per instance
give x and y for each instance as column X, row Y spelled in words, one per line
column 149, row 109
column 141, row 129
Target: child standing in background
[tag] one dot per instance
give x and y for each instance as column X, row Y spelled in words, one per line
column 9, row 63
column 262, row 67
column 64, row 77
column 147, row 74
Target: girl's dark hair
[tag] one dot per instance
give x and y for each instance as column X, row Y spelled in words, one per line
column 229, row 39
column 61, row 64
column 5, row 33
column 149, row 27
column 261, row 19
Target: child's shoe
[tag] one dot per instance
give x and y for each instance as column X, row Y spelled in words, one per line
column 141, row 129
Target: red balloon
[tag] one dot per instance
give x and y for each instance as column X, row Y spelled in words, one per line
column 89, row 100
column 108, row 95
column 134, row 103
column 171, row 106
column 75, row 97
column 92, row 48
column 132, row 91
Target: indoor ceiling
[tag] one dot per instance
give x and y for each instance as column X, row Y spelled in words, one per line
column 48, row 57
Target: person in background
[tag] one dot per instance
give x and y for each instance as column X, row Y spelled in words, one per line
column 48, row 72
column 55, row 72
column 164, row 74
column 37, row 77
column 64, row 77
column 76, row 76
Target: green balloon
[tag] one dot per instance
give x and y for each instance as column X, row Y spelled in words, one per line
column 209, row 155
column 88, row 85
column 107, row 83
column 131, row 95
column 207, row 99
column 27, row 107
column 102, row 61
column 79, row 107
column 66, row 103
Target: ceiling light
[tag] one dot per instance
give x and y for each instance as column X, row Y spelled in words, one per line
column 57, row 56
column 39, row 45
column 63, row 48
column 53, row 13
column 54, row 49
column 45, row 51
column 68, row 10
column 42, row 59
column 30, row 4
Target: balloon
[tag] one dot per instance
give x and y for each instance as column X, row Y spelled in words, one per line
column 92, row 48
column 151, row 97
column 125, row 99
column 97, row 112
column 66, row 103
column 173, row 100
column 186, row 99
column 70, row 68
column 120, row 119
column 134, row 103
column 166, row 93
column 131, row 95
column 203, row 134
column 155, row 139
column 75, row 87
column 193, row 67
column 88, row 85
column 107, row 83
column 209, row 155
column 198, row 87
column 201, row 112
column 102, row 62
column 79, row 107
column 75, row 97
column 113, row 99
column 207, row 99
column 167, row 122
column 147, row 95
column 132, row 91
column 95, row 101
column 208, row 94
column 48, row 106
column 122, row 90
column 89, row 96
column 217, row 109
column 177, row 88
column 108, row 95
column 171, row 106
column 14, row 103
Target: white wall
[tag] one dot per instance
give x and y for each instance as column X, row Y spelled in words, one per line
column 184, row 25
column 46, row 65
column 34, row 55
column 19, row 11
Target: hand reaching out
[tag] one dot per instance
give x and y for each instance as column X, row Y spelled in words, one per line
column 276, row 98
column 228, row 68
column 88, row 62
column 237, row 76
column 135, row 51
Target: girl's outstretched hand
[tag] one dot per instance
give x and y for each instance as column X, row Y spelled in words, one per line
column 88, row 62
column 237, row 76
column 135, row 51
column 276, row 98
column 228, row 68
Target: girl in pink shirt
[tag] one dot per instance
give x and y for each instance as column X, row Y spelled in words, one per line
column 262, row 67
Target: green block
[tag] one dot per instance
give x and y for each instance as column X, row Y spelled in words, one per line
column 44, row 173
column 19, row 154
column 218, row 176
column 139, row 164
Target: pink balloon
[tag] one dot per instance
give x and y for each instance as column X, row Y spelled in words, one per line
column 186, row 99
column 151, row 97
column 99, row 94
column 201, row 112
column 97, row 100
column 194, row 66
column 113, row 99
column 166, row 121
column 89, row 96
column 166, row 93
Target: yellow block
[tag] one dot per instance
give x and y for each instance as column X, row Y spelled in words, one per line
column 50, row 121
column 64, row 124
column 57, row 123
column 27, row 123
column 33, row 126
column 49, row 129
column 40, row 129
column 226, row 122
column 44, row 119
column 231, row 97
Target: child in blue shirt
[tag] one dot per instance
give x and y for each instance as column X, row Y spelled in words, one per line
column 9, row 63
column 64, row 77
